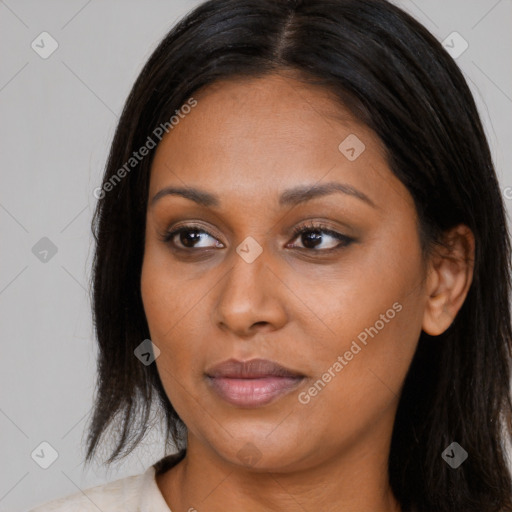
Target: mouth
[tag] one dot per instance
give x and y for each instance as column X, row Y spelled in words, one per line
column 252, row 383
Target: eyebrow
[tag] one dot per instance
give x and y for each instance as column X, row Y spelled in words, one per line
column 290, row 197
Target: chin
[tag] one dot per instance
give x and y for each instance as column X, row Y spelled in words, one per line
column 259, row 455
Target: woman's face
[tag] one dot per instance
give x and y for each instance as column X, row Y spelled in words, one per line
column 343, row 315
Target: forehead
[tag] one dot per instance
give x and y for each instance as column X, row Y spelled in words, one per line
column 268, row 134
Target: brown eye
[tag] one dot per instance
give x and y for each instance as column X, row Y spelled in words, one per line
column 313, row 235
column 190, row 237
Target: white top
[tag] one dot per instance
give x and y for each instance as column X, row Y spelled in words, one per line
column 137, row 493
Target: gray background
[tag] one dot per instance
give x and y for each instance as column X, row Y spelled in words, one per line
column 58, row 116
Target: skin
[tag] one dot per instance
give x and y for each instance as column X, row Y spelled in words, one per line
column 247, row 141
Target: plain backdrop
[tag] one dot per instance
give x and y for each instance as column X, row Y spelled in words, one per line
column 57, row 119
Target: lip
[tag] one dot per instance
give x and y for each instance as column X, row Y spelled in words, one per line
column 252, row 383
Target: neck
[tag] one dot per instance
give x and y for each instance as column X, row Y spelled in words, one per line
column 351, row 481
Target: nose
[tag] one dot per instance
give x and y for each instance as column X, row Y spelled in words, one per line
column 251, row 297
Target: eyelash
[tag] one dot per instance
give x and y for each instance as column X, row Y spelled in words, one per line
column 299, row 230
column 322, row 228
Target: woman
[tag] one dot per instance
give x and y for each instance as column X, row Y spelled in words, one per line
column 302, row 255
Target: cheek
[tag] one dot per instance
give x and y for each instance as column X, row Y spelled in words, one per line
column 371, row 310
column 378, row 324
column 171, row 305
column 367, row 381
column 358, row 381
column 165, row 294
column 154, row 297
column 361, row 296
column 161, row 302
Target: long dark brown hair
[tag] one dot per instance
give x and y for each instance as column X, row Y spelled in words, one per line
column 396, row 78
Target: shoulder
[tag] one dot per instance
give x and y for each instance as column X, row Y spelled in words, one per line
column 129, row 494
column 121, row 495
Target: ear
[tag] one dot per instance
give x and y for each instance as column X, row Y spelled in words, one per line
column 449, row 278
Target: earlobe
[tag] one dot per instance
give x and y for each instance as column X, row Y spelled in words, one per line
column 449, row 279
